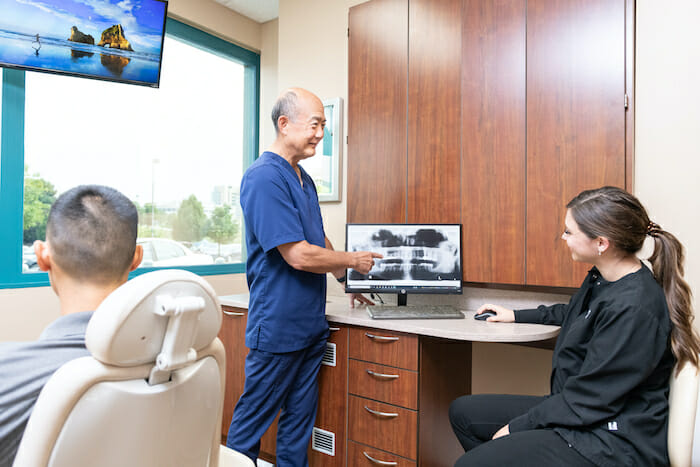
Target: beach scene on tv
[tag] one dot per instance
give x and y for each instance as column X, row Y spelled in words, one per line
column 110, row 39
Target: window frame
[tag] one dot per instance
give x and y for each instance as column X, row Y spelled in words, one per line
column 12, row 155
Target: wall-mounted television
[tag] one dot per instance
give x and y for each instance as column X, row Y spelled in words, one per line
column 115, row 40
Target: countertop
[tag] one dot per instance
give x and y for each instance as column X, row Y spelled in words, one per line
column 468, row 329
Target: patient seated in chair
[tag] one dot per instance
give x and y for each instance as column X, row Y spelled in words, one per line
column 90, row 249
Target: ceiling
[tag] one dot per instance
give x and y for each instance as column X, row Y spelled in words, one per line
column 257, row 10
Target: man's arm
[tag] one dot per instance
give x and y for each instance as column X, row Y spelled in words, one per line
column 337, row 273
column 311, row 258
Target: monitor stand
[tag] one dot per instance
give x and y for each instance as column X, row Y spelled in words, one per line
column 401, row 298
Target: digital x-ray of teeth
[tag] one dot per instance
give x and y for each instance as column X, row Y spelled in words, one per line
column 411, row 252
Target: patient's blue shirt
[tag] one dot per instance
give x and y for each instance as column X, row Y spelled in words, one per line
column 286, row 311
column 25, row 367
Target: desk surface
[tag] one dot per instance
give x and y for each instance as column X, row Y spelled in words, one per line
column 468, row 329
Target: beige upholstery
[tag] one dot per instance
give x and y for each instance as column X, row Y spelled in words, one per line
column 683, row 400
column 151, row 394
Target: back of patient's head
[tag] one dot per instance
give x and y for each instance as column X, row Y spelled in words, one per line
column 92, row 233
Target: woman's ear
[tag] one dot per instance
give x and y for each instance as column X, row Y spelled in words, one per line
column 43, row 255
column 603, row 245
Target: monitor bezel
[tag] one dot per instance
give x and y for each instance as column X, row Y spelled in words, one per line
column 76, row 74
column 404, row 290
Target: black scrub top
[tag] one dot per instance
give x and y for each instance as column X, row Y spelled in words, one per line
column 610, row 371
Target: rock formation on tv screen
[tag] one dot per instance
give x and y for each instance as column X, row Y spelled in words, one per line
column 113, row 38
column 77, row 36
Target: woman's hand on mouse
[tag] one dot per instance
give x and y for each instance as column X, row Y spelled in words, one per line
column 503, row 315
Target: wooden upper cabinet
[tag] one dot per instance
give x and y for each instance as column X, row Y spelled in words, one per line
column 434, row 55
column 575, row 121
column 377, row 80
column 492, row 113
column 493, row 140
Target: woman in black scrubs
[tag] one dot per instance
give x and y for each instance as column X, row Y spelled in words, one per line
column 621, row 335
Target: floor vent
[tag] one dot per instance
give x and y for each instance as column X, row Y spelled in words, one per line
column 323, row 441
column 329, row 355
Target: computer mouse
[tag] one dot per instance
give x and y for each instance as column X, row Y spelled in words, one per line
column 484, row 315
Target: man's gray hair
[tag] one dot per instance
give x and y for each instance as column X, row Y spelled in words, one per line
column 285, row 105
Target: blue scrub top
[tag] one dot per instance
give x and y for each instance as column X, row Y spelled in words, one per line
column 287, row 307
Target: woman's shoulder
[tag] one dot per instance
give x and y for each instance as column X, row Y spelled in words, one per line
column 637, row 293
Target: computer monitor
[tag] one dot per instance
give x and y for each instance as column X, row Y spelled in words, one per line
column 418, row 258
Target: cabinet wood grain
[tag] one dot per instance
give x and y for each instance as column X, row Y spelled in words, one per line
column 384, row 347
column 232, row 335
column 386, row 427
column 384, row 383
column 332, row 403
column 493, row 140
column 575, row 121
column 377, row 86
column 434, row 53
column 360, row 455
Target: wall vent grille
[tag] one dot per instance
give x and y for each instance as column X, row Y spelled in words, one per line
column 323, row 441
column 329, row 355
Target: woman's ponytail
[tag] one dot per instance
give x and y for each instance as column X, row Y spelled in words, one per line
column 667, row 263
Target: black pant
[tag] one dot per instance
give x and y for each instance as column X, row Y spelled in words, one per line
column 476, row 418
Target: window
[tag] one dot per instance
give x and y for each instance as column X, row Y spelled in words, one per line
column 178, row 152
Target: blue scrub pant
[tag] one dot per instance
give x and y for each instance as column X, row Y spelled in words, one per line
column 274, row 382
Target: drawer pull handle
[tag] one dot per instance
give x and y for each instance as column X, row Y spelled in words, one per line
column 381, row 414
column 381, row 375
column 381, row 338
column 233, row 313
column 377, row 461
column 333, row 329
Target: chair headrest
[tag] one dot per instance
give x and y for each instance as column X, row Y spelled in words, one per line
column 126, row 331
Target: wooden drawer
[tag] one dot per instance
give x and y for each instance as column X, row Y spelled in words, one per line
column 384, row 383
column 389, row 428
column 384, row 347
column 363, row 456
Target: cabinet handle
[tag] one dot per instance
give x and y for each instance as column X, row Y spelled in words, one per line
column 381, row 338
column 381, row 375
column 333, row 329
column 377, row 461
column 381, row 414
column 233, row 313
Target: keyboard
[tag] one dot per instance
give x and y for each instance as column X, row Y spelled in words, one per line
column 414, row 312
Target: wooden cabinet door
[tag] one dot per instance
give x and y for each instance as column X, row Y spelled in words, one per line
column 332, row 403
column 377, row 63
column 575, row 121
column 433, row 158
column 493, row 140
column 232, row 335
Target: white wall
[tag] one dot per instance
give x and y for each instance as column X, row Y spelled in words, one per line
column 668, row 122
column 313, row 54
column 218, row 20
column 268, row 82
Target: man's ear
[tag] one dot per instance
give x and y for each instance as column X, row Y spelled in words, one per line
column 282, row 123
column 43, row 255
column 138, row 257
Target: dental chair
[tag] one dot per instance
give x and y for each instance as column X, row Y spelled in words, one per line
column 152, row 392
column 682, row 417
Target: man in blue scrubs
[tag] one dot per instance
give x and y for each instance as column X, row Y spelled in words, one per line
column 288, row 258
